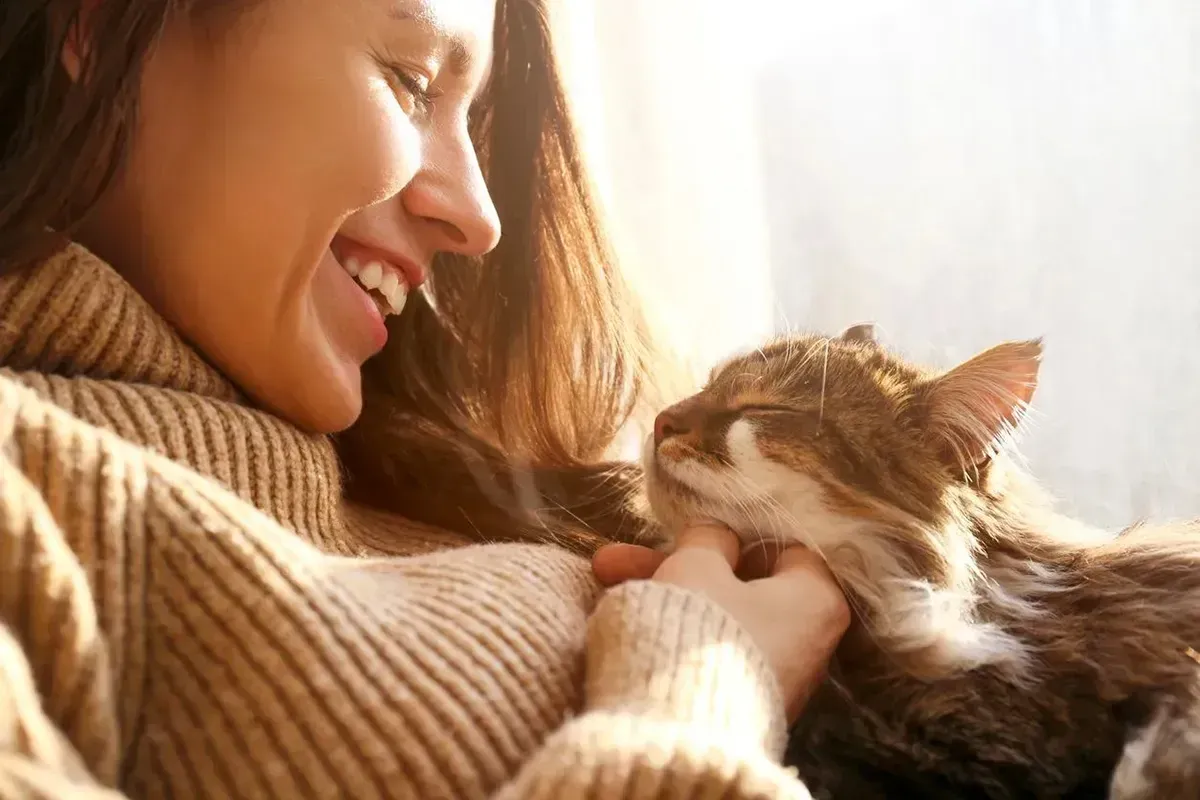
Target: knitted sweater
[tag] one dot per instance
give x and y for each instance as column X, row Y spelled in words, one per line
column 188, row 607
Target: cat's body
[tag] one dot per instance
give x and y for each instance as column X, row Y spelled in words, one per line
column 1107, row 649
column 1001, row 650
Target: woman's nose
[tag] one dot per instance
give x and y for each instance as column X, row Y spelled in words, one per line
column 451, row 196
column 470, row 227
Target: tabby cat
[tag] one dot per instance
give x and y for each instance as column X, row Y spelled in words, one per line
column 999, row 650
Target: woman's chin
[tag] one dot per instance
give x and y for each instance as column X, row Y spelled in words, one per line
column 323, row 401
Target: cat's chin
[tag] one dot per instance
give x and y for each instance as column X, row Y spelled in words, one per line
column 673, row 502
column 676, row 513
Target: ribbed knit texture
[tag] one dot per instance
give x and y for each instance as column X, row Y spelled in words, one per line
column 188, row 608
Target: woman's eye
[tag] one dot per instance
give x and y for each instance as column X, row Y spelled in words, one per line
column 412, row 93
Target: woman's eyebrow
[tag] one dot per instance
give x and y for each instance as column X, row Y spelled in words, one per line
column 459, row 57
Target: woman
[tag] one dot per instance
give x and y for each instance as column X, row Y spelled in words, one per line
column 211, row 216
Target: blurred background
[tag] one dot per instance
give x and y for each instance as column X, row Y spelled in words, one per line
column 959, row 172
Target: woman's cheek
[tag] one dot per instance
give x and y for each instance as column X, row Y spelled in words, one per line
column 387, row 148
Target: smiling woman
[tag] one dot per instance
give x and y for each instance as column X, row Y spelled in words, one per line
column 358, row 111
column 230, row 232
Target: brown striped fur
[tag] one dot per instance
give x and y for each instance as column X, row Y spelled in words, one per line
column 1000, row 650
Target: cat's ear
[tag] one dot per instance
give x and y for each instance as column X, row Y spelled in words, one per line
column 978, row 406
column 867, row 332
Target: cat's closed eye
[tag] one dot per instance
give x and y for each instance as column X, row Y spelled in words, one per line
column 792, row 420
column 766, row 408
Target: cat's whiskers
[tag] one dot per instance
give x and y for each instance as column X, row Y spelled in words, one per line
column 747, row 512
column 796, row 360
column 824, row 384
column 784, row 520
column 748, row 504
column 934, row 626
column 935, row 619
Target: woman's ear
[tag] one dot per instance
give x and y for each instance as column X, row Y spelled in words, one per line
column 72, row 56
column 75, row 42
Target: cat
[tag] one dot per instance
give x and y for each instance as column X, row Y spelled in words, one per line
column 999, row 649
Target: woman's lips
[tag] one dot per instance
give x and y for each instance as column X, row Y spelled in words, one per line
column 358, row 313
column 381, row 277
column 388, row 276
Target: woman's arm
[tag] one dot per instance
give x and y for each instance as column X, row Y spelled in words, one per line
column 467, row 656
column 36, row 761
column 679, row 703
column 684, row 670
column 52, row 608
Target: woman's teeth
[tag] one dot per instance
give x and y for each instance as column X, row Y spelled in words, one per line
column 374, row 277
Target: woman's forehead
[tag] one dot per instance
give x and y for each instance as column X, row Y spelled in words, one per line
column 464, row 25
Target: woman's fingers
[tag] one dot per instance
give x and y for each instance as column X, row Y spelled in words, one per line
column 696, row 545
column 788, row 602
column 799, row 558
column 796, row 613
column 617, row 563
column 709, row 539
column 803, row 576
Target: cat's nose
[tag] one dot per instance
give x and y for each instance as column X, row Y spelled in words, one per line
column 667, row 424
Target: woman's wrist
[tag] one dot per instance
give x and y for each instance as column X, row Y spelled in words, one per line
column 671, row 653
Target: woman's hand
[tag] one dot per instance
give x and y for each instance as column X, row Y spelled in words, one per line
column 795, row 611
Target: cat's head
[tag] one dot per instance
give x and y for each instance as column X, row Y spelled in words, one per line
column 875, row 462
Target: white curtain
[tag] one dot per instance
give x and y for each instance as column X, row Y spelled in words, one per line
column 960, row 172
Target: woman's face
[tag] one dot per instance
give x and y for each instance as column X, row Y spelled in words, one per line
column 280, row 154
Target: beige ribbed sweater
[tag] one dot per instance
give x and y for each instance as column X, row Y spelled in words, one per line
column 189, row 608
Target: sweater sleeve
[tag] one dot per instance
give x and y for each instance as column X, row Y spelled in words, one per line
column 37, row 759
column 678, row 703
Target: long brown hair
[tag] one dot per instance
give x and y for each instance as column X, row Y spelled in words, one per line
column 492, row 411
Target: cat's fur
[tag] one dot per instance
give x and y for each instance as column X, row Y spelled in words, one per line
column 999, row 650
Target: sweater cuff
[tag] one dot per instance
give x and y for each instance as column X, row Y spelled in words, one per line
column 660, row 651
